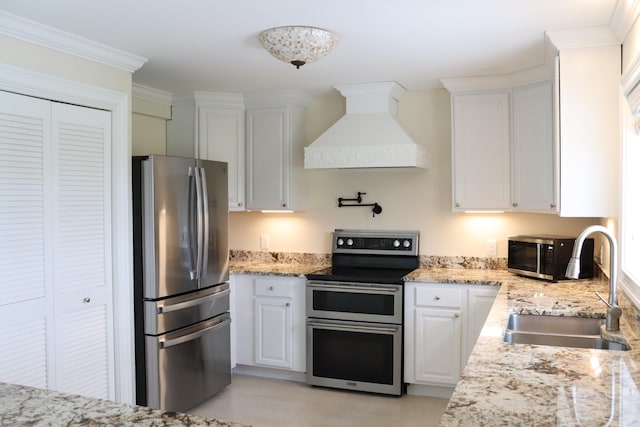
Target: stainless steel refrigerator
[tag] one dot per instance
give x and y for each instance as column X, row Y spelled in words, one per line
column 181, row 289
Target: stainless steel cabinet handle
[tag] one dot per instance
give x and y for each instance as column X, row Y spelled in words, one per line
column 456, row 315
column 515, row 205
column 86, row 300
column 270, row 288
column 190, row 337
column 437, row 298
column 288, row 304
column 162, row 308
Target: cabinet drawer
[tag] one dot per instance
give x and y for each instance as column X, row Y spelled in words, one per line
column 273, row 288
column 438, row 297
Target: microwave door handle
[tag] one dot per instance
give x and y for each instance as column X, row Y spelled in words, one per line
column 205, row 232
column 538, row 258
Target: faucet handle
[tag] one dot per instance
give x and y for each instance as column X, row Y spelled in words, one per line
column 603, row 300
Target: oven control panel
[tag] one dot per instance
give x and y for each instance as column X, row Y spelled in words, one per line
column 376, row 242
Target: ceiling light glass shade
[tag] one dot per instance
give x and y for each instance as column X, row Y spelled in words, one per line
column 298, row 45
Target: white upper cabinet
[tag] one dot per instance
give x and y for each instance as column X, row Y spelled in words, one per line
column 556, row 148
column 533, row 155
column 210, row 126
column 481, row 166
column 275, row 141
column 588, row 120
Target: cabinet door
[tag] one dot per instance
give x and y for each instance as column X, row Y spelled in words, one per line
column 481, row 159
column 534, row 173
column 480, row 303
column 221, row 137
column 589, row 86
column 268, row 151
column 273, row 332
column 437, row 345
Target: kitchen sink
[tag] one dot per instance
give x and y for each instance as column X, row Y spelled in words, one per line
column 559, row 331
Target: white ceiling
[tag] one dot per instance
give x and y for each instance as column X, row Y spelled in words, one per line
column 211, row 45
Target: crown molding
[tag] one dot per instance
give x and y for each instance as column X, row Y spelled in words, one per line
column 41, row 35
column 583, row 37
column 624, row 17
column 278, row 98
column 150, row 94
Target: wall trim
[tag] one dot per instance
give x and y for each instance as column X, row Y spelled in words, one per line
column 61, row 41
column 624, row 17
column 150, row 94
column 28, row 82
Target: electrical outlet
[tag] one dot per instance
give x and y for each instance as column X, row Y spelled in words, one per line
column 264, row 242
column 492, row 248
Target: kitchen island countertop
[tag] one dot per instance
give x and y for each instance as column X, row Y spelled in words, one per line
column 28, row 406
column 505, row 384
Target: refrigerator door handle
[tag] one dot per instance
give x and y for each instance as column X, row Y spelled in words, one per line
column 200, row 231
column 193, row 272
column 162, row 343
column 161, row 309
column 205, row 234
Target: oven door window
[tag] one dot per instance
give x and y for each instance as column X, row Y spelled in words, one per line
column 354, row 356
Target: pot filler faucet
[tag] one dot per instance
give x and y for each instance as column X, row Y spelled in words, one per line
column 573, row 270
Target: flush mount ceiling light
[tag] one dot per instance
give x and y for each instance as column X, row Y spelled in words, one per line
column 298, row 45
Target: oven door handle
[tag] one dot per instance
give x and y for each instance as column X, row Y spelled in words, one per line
column 351, row 327
column 329, row 286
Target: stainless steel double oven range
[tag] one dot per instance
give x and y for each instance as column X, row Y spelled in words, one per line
column 355, row 311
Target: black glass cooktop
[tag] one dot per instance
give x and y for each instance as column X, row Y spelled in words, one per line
column 361, row 275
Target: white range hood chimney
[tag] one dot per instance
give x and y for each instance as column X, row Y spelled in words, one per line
column 368, row 136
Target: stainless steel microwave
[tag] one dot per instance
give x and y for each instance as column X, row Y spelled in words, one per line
column 546, row 257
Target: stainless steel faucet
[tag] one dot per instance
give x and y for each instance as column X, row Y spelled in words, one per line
column 573, row 271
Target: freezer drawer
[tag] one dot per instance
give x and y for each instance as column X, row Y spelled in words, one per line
column 178, row 312
column 188, row 366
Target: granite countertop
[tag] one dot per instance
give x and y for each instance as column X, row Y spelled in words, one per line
column 505, row 384
column 28, row 406
column 274, row 268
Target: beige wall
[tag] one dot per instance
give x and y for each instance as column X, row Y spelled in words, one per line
column 37, row 58
column 411, row 199
column 149, row 127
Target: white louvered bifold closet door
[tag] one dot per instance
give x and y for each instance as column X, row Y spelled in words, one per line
column 75, row 331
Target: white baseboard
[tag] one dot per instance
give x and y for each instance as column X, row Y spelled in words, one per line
column 443, row 392
column 277, row 374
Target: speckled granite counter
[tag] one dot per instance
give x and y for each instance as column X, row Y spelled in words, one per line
column 27, row 406
column 504, row 384
column 273, row 269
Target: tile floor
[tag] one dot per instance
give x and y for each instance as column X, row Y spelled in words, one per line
column 264, row 402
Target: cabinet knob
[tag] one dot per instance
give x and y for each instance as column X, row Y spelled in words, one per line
column 284, row 205
column 514, row 204
column 86, row 300
column 436, row 298
column 240, row 204
column 288, row 304
column 271, row 288
column 552, row 205
column 457, row 205
column 457, row 315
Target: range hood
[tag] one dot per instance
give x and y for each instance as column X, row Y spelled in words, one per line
column 369, row 135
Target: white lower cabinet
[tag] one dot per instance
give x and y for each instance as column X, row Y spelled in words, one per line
column 442, row 322
column 269, row 317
